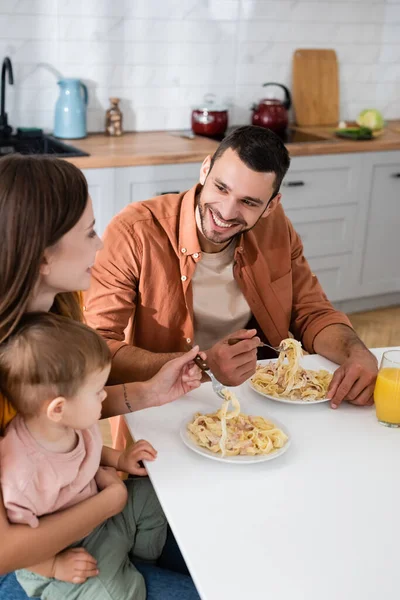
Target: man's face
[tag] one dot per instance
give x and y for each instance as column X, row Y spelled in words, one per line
column 233, row 198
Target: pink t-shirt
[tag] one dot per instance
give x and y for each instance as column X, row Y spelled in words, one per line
column 35, row 481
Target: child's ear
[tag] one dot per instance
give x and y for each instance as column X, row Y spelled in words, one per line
column 56, row 408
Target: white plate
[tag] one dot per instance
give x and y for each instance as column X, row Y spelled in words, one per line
column 312, row 362
column 231, row 459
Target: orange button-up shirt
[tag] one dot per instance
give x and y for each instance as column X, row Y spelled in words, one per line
column 141, row 291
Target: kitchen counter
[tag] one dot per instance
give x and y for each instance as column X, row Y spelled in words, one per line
column 165, row 147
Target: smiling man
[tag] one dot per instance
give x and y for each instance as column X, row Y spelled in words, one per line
column 217, row 262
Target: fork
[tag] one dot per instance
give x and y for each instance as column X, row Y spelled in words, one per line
column 233, row 341
column 217, row 386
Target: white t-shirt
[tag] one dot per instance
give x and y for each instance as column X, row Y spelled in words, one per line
column 219, row 306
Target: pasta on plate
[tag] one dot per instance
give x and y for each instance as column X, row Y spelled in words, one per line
column 287, row 379
column 234, row 433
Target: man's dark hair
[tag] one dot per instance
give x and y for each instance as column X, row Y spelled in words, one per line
column 260, row 149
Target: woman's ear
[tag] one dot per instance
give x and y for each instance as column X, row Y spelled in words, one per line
column 45, row 264
column 272, row 205
column 204, row 170
column 55, row 409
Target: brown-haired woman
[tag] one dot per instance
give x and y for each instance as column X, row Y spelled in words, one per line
column 48, row 245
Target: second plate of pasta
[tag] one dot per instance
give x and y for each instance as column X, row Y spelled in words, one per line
column 294, row 378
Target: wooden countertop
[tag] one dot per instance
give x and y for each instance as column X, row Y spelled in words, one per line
column 165, row 147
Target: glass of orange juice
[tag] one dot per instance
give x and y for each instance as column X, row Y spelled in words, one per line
column 387, row 390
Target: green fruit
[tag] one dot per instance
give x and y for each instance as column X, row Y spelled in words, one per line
column 371, row 118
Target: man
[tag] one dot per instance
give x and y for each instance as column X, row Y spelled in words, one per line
column 198, row 267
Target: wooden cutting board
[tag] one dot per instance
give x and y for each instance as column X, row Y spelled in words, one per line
column 315, row 87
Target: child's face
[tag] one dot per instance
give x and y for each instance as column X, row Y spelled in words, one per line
column 84, row 409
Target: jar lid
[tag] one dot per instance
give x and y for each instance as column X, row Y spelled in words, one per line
column 210, row 104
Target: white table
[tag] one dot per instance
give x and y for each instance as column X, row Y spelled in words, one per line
column 321, row 522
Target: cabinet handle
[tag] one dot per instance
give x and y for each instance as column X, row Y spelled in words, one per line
column 293, row 183
column 171, row 192
column 396, row 175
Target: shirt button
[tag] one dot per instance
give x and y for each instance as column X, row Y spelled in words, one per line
column 183, row 277
column 196, row 255
column 188, row 340
column 183, row 250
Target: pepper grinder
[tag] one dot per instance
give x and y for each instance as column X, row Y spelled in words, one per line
column 114, row 118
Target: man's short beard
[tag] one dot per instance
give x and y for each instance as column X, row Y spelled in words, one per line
column 203, row 230
column 235, row 235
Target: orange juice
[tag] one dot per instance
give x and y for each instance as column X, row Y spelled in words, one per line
column 387, row 395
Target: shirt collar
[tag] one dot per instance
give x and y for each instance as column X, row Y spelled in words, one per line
column 188, row 240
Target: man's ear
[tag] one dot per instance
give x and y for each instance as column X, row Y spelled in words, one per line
column 204, row 170
column 55, row 409
column 272, row 205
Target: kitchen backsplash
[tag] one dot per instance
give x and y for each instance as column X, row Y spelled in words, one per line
column 162, row 56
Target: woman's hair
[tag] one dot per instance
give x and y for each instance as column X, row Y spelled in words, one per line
column 41, row 199
column 48, row 356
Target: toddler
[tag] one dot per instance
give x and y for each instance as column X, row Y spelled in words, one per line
column 54, row 371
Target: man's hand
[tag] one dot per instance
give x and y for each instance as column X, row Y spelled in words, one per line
column 75, row 565
column 354, row 380
column 129, row 459
column 175, row 379
column 232, row 365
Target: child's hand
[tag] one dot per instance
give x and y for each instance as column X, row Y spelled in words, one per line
column 129, row 459
column 75, row 565
column 107, row 476
column 107, row 479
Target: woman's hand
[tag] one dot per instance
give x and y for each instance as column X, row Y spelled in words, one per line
column 175, row 379
column 129, row 459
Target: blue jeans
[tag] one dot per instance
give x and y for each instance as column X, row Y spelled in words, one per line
column 10, row 588
column 161, row 584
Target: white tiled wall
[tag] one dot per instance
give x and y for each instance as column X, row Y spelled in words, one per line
column 161, row 56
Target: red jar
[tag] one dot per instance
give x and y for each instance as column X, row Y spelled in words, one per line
column 209, row 119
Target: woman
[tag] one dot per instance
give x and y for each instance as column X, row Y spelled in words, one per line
column 48, row 245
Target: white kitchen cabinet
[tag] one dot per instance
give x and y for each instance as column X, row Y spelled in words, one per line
column 325, row 231
column 333, row 274
column 321, row 181
column 101, row 184
column 144, row 182
column 321, row 196
column 380, row 265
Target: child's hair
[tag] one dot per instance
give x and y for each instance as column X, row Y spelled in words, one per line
column 48, row 356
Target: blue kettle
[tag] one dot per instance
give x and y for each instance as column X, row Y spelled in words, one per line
column 70, row 117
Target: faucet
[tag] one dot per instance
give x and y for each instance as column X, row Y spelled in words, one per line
column 5, row 128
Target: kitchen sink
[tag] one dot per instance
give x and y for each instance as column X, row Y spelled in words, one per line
column 43, row 144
